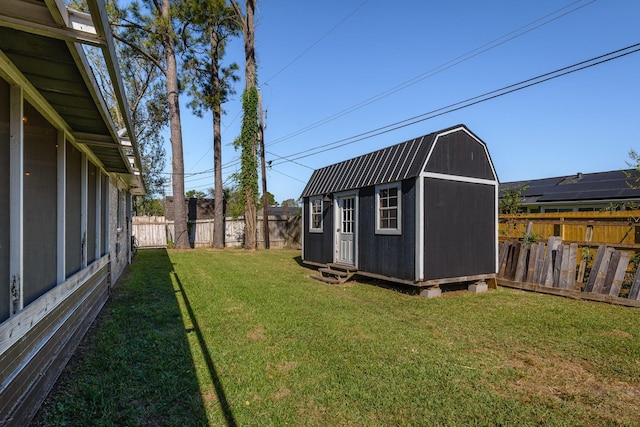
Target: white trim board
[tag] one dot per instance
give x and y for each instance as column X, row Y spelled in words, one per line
column 458, row 178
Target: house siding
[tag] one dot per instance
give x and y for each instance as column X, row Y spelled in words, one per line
column 387, row 255
column 4, row 199
column 459, row 230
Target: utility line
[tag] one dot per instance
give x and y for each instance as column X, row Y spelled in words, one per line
column 288, row 176
column 518, row 32
column 316, row 42
column 443, row 67
column 487, row 96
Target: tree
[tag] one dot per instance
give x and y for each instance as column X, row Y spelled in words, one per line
column 145, row 96
column 511, row 200
column 212, row 23
column 153, row 207
column 291, row 207
column 249, row 134
column 235, row 202
column 271, row 201
column 196, row 194
column 149, row 31
column 289, row 203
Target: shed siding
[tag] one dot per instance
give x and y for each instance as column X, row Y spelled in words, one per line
column 459, row 232
column 387, row 255
column 318, row 247
column 459, row 154
column 40, row 194
column 4, row 199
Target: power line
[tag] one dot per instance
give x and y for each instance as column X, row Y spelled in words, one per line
column 518, row 32
column 316, row 42
column 439, row 69
column 487, row 96
column 288, row 176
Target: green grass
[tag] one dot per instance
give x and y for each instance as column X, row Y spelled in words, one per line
column 246, row 338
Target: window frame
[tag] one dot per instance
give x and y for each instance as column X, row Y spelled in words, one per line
column 398, row 229
column 312, row 203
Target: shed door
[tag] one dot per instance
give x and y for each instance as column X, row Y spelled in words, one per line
column 346, row 230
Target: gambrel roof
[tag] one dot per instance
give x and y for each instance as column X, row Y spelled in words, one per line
column 395, row 163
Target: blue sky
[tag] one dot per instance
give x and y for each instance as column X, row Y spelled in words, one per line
column 318, row 60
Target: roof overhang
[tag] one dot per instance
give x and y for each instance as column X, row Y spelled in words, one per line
column 42, row 50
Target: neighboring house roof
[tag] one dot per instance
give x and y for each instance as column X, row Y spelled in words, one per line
column 395, row 163
column 41, row 43
column 581, row 187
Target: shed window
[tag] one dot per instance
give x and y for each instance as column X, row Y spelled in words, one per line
column 388, row 209
column 316, row 215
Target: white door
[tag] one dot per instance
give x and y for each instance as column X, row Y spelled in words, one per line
column 346, row 230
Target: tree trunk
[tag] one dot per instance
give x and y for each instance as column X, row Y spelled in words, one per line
column 177, row 162
column 249, row 45
column 250, row 82
column 218, row 207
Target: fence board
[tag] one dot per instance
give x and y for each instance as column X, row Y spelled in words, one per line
column 151, row 232
column 634, row 293
column 601, row 273
column 537, row 274
column 594, row 269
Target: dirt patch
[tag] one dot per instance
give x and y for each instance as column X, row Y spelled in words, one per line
column 286, row 366
column 282, row 393
column 257, row 334
column 619, row 334
column 557, row 381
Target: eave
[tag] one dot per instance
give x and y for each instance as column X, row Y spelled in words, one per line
column 41, row 49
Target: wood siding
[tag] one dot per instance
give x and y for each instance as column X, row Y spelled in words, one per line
column 460, row 154
column 318, row 247
column 459, row 231
column 387, row 255
column 4, row 199
column 38, row 342
column 619, row 229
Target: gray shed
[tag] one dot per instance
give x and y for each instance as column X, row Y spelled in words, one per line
column 423, row 212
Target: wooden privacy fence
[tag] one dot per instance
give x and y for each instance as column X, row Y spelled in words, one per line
column 619, row 229
column 154, row 232
column 560, row 268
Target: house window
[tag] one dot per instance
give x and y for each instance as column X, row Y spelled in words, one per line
column 388, row 209
column 316, row 215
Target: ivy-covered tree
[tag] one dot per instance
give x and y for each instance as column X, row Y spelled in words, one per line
column 208, row 83
column 248, row 140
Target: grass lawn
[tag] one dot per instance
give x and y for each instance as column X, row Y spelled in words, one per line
column 206, row 337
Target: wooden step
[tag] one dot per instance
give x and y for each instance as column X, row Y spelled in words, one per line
column 332, row 272
column 342, row 267
column 327, row 279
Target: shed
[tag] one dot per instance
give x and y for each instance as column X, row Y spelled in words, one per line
column 422, row 212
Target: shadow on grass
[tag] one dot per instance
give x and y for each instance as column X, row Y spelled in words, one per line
column 135, row 365
column 213, row 373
